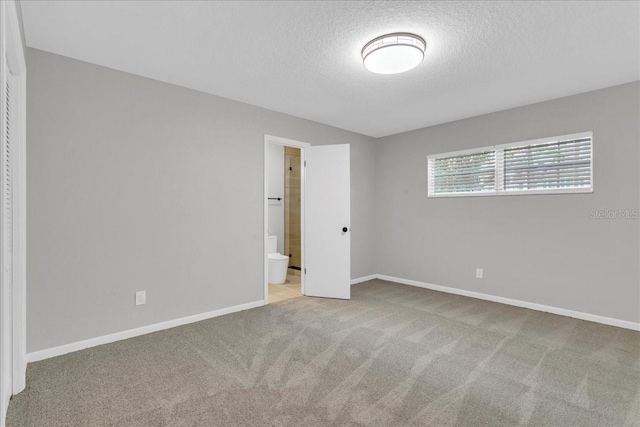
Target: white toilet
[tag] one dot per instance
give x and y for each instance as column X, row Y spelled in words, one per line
column 277, row 263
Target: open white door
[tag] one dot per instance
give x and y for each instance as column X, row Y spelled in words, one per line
column 328, row 222
column 12, row 206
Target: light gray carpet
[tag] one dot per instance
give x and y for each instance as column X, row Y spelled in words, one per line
column 392, row 356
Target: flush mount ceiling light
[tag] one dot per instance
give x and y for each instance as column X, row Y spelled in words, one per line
column 393, row 53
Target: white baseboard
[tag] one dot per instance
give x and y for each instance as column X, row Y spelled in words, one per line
column 533, row 306
column 106, row 339
column 363, row 279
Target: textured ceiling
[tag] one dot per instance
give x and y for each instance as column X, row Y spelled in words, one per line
column 303, row 58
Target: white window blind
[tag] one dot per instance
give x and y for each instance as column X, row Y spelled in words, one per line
column 561, row 164
column 553, row 165
column 464, row 173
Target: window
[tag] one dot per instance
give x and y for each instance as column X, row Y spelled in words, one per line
column 561, row 164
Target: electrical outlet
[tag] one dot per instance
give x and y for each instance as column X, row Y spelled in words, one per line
column 479, row 273
column 141, row 297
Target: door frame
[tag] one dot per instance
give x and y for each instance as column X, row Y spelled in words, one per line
column 270, row 139
column 13, row 301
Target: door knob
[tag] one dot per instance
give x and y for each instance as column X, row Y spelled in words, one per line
column 345, row 229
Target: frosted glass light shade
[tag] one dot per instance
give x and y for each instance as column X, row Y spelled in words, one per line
column 393, row 53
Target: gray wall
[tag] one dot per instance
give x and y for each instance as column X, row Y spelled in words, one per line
column 544, row 249
column 135, row 184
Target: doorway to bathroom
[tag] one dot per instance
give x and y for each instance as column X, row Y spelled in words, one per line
column 284, row 176
column 307, row 231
